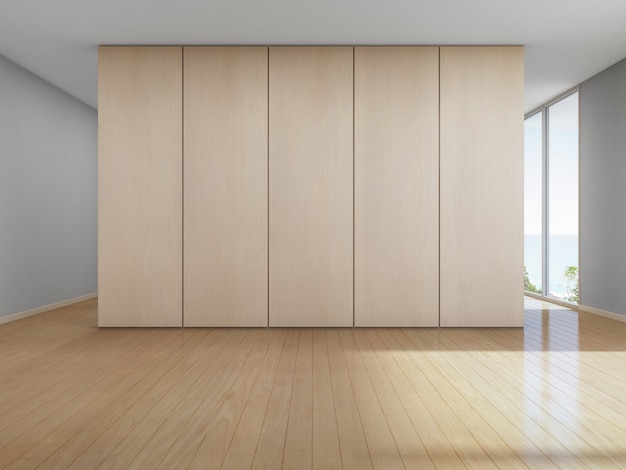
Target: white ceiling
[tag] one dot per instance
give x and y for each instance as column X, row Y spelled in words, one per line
column 566, row 41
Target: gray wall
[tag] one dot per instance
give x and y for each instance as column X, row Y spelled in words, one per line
column 48, row 193
column 603, row 190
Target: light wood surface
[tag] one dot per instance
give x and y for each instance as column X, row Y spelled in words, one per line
column 140, row 186
column 396, row 180
column 548, row 396
column 481, row 202
column 310, row 186
column 225, row 186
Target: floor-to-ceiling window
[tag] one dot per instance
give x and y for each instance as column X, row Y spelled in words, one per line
column 551, row 200
column 533, row 203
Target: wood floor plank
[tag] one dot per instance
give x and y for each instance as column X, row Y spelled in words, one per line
column 461, row 438
column 109, row 438
column 594, row 398
column 204, row 443
column 123, row 407
column 589, row 369
column 566, row 385
column 243, row 445
column 527, row 438
column 538, row 407
column 56, row 361
column 437, row 445
column 551, row 395
column 271, row 444
column 16, row 332
column 298, row 452
column 60, row 383
column 383, row 450
column 326, row 450
column 51, row 434
column 215, row 377
column 354, row 450
column 408, row 442
column 197, row 364
column 484, row 420
column 604, row 435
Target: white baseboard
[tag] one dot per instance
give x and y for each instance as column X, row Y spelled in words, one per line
column 45, row 308
column 603, row 313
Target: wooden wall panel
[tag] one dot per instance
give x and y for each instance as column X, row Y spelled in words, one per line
column 396, row 186
column 311, row 186
column 225, row 193
column 140, row 186
column 481, row 186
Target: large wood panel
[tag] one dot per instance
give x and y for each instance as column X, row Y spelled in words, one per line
column 396, row 186
column 140, row 186
column 225, row 194
column 311, row 186
column 481, row 186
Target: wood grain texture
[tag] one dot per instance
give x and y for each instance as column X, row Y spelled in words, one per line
column 270, row 441
column 383, row 450
column 481, row 203
column 140, row 186
column 225, row 190
column 354, row 447
column 298, row 451
column 310, row 188
column 549, row 396
column 396, row 186
column 325, row 445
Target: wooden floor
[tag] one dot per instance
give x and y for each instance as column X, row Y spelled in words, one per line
column 552, row 395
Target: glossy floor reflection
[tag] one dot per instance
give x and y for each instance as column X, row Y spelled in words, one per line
column 550, row 395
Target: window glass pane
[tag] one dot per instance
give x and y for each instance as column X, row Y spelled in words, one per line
column 563, row 199
column 533, row 202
